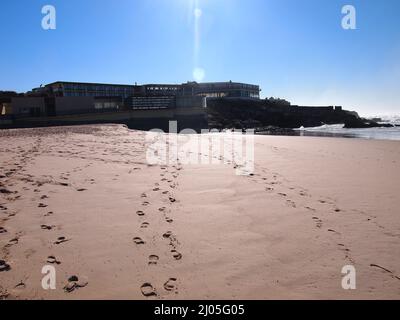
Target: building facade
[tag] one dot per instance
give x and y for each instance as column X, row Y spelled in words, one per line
column 81, row 89
column 227, row 90
column 28, row 106
column 210, row 90
column 64, row 98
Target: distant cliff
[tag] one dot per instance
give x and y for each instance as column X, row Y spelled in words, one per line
column 242, row 114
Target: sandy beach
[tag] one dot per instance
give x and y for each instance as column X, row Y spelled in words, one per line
column 85, row 200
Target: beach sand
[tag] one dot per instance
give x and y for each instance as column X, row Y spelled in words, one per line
column 138, row 231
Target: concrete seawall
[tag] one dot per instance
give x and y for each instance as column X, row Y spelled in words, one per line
column 195, row 118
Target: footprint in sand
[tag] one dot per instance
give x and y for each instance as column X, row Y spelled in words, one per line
column 49, row 213
column 170, row 284
column 20, row 285
column 138, row 241
column 169, row 220
column 2, row 230
column 61, row 240
column 46, row 227
column 176, row 254
column 153, row 259
column 81, row 189
column 140, row 213
column 12, row 242
column 167, row 235
column 162, row 209
column 74, row 283
column 42, row 205
column 291, row 203
column 52, row 260
column 172, row 199
column 156, row 189
column 5, row 191
column 4, row 266
column 346, row 252
column 144, row 195
column 334, row 231
column 144, row 225
column 148, row 290
column 145, row 203
column 318, row 221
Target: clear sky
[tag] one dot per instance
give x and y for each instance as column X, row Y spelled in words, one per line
column 294, row 49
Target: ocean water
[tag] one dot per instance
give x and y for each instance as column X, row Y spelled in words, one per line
column 337, row 130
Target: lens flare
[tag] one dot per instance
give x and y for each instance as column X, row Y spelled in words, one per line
column 198, row 13
column 199, row 74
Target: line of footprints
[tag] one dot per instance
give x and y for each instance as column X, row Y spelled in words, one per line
column 73, row 282
column 168, row 180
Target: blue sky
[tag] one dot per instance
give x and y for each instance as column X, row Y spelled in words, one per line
column 294, row 49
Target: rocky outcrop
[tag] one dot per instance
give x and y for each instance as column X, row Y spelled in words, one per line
column 272, row 130
column 242, row 114
column 364, row 123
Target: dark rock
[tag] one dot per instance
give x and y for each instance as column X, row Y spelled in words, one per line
column 364, row 123
column 386, row 125
column 239, row 114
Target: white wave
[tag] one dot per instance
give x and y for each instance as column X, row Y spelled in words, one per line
column 338, row 130
column 325, row 127
column 392, row 118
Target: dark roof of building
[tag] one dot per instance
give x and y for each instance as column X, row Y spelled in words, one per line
column 161, row 84
column 90, row 83
column 152, row 84
column 228, row 83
